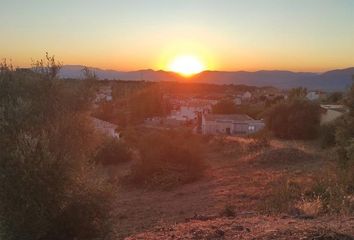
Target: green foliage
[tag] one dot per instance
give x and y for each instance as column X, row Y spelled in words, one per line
column 252, row 110
column 147, row 103
column 89, row 74
column 327, row 135
column 335, row 98
column 228, row 211
column 298, row 119
column 283, row 197
column 349, row 100
column 345, row 133
column 46, row 143
column 113, row 152
column 224, row 107
column 334, row 191
column 48, row 69
column 106, row 112
column 297, row 93
column 168, row 158
column 134, row 106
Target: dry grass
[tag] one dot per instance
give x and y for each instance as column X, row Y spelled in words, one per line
column 280, row 157
column 254, row 227
column 231, row 186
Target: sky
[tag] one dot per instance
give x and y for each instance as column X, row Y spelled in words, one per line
column 230, row 35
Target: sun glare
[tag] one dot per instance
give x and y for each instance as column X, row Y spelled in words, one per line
column 186, row 65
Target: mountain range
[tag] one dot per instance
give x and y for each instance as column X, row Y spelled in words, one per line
column 335, row 80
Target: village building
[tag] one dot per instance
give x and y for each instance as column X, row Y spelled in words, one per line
column 330, row 113
column 104, row 94
column 247, row 96
column 238, row 100
column 105, row 128
column 315, row 95
column 232, row 124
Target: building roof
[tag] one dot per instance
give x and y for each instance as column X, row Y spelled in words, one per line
column 228, row 117
column 338, row 108
column 98, row 123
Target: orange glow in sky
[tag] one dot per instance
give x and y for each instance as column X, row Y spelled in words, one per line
column 225, row 35
column 186, row 65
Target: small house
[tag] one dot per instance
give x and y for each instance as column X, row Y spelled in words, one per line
column 231, row 124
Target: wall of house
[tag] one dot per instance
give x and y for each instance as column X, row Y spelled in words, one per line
column 216, row 127
column 330, row 116
column 212, row 127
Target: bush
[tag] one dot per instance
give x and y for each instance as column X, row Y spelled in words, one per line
column 327, row 135
column 168, row 158
column 45, row 172
column 328, row 193
column 224, row 107
column 285, row 193
column 334, row 192
column 113, row 152
column 228, row 211
column 298, row 119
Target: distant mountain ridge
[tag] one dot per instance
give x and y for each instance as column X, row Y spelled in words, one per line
column 335, row 80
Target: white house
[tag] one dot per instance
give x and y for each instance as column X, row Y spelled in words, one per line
column 105, row 128
column 238, row 100
column 104, row 94
column 231, row 124
column 247, row 96
column 314, row 95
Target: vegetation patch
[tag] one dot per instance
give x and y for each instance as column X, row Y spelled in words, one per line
column 167, row 159
column 297, row 119
column 113, row 152
column 283, row 157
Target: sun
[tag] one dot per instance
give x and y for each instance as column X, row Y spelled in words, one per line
column 186, row 65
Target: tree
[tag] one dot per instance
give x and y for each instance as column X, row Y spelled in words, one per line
column 345, row 133
column 298, row 119
column 48, row 68
column 168, row 157
column 113, row 152
column 224, row 107
column 47, row 188
column 334, row 98
column 297, row 93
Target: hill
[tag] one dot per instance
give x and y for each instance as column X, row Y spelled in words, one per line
column 335, row 80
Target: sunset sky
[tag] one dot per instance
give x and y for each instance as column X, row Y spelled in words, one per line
column 299, row 35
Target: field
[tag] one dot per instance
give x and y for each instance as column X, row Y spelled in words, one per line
column 234, row 198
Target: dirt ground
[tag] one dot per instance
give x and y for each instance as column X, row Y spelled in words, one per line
column 193, row 211
column 256, row 227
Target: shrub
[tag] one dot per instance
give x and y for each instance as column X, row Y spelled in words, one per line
column 168, row 158
column 333, row 191
column 283, row 197
column 45, row 172
column 228, row 211
column 280, row 157
column 258, row 143
column 224, row 107
column 113, row 152
column 298, row 119
column 327, row 135
column 328, row 193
